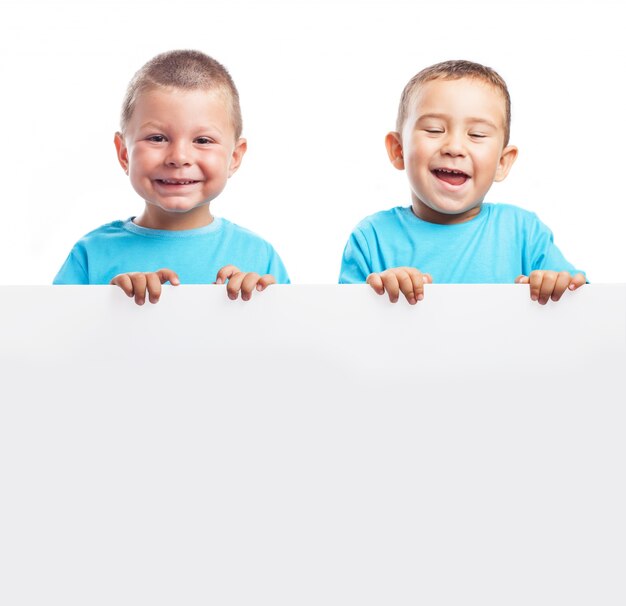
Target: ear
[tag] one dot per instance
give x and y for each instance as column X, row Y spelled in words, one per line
column 508, row 156
column 393, row 143
column 240, row 149
column 122, row 151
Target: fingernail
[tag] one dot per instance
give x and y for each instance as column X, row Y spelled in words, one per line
column 219, row 281
column 420, row 297
column 412, row 300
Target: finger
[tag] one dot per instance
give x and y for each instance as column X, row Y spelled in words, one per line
column 226, row 273
column 535, row 279
column 547, row 286
column 376, row 282
column 234, row 285
column 407, row 286
column 428, row 279
column 563, row 278
column 522, row 280
column 577, row 281
column 419, row 279
column 125, row 283
column 168, row 275
column 248, row 284
column 265, row 281
column 391, row 285
column 139, row 287
column 153, row 284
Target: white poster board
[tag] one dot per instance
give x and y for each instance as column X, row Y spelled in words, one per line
column 316, row 445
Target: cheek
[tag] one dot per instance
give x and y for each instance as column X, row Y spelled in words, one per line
column 421, row 153
column 141, row 165
column 217, row 163
column 417, row 161
column 138, row 181
column 489, row 166
column 488, row 157
column 141, row 159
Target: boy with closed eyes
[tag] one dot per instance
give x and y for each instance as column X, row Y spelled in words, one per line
column 452, row 139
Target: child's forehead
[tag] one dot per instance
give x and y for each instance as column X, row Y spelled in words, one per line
column 182, row 96
column 441, row 90
column 173, row 104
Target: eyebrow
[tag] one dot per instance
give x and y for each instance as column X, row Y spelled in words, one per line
column 473, row 120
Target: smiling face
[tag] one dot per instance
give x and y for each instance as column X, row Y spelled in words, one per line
column 452, row 147
column 179, row 149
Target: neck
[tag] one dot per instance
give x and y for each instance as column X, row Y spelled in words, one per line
column 156, row 218
column 425, row 213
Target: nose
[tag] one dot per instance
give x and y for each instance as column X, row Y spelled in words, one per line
column 453, row 144
column 178, row 154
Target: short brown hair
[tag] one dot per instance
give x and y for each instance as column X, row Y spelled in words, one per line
column 455, row 70
column 187, row 70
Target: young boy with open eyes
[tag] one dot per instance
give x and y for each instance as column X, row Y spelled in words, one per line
column 179, row 143
column 452, row 139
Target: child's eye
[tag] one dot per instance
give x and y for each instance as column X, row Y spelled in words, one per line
column 477, row 135
column 433, row 131
column 156, row 138
column 204, row 140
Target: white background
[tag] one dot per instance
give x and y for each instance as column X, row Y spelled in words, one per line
column 319, row 83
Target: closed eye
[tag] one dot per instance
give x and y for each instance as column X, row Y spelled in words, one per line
column 433, row 131
column 477, row 136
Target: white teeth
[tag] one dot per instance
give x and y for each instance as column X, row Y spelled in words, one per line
column 453, row 172
column 175, row 181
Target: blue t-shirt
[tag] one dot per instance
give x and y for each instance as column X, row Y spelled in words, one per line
column 496, row 246
column 196, row 255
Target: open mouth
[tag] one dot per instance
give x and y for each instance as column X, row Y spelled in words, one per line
column 176, row 181
column 453, row 177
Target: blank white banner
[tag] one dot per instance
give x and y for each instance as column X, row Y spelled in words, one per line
column 316, row 445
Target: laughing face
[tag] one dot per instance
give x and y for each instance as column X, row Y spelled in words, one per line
column 452, row 147
column 179, row 150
